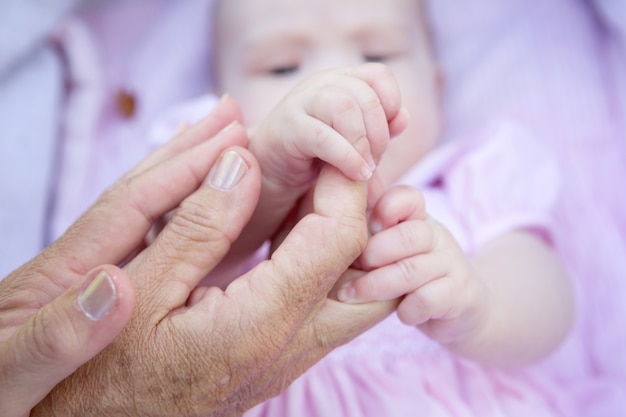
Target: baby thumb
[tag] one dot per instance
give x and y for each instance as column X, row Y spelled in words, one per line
column 62, row 336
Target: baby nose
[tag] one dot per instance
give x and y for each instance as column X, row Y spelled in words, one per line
column 339, row 56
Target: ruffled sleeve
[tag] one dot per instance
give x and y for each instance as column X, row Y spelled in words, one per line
column 502, row 179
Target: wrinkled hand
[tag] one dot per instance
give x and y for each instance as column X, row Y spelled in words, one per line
column 39, row 347
column 203, row 351
column 414, row 257
column 60, row 309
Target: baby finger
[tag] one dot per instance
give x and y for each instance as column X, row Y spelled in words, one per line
column 407, row 239
column 392, row 281
column 431, row 301
column 340, row 137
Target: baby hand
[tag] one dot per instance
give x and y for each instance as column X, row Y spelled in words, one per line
column 343, row 117
column 414, row 257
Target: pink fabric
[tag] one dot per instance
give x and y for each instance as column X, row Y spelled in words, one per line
column 487, row 187
column 156, row 50
column 559, row 68
column 480, row 187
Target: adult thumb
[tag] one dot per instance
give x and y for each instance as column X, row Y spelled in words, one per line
column 62, row 336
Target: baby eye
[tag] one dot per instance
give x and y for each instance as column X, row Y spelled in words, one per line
column 375, row 58
column 282, row 71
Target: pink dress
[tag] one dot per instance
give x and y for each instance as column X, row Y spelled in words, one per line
column 480, row 187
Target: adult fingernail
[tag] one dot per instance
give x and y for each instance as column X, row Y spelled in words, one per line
column 228, row 170
column 98, row 297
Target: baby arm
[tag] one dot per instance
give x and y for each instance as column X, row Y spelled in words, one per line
column 510, row 305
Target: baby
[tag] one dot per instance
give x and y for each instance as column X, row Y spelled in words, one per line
column 460, row 230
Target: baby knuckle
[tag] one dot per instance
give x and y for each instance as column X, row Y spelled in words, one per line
column 367, row 285
column 343, row 103
column 409, row 237
column 423, row 299
column 321, row 136
column 371, row 102
column 407, row 270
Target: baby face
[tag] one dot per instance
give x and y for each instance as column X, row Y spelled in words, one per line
column 263, row 48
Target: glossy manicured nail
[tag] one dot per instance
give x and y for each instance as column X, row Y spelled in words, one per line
column 98, row 297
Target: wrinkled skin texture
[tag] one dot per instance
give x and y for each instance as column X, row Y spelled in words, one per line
column 44, row 335
column 195, row 351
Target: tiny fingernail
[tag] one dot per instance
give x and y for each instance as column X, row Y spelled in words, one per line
column 98, row 297
column 228, row 170
column 367, row 172
column 346, row 294
column 375, row 227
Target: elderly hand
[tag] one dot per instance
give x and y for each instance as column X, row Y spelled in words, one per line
column 59, row 310
column 190, row 351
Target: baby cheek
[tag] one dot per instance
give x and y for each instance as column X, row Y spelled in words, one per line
column 259, row 97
